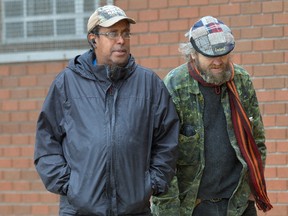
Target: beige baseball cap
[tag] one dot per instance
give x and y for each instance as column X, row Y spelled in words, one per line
column 107, row 16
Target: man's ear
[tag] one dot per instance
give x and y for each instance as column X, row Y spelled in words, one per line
column 193, row 56
column 91, row 40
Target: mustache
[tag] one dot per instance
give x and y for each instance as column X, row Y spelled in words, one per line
column 120, row 49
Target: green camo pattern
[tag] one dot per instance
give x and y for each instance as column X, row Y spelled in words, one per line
column 189, row 102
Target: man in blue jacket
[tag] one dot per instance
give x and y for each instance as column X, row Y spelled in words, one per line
column 107, row 134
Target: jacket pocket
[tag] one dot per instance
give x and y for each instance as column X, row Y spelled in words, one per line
column 189, row 149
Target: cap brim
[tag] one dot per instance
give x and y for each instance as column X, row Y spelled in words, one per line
column 116, row 19
column 227, row 50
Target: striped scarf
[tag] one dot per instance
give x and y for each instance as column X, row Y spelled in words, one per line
column 245, row 139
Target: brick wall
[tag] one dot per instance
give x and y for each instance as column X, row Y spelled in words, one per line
column 261, row 32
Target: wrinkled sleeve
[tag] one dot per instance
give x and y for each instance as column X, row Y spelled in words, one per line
column 167, row 204
column 254, row 115
column 48, row 154
column 165, row 141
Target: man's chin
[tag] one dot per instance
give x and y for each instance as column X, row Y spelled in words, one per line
column 120, row 61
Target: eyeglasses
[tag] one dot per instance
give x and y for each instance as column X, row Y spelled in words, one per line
column 116, row 35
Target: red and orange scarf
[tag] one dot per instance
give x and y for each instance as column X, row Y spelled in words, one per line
column 245, row 139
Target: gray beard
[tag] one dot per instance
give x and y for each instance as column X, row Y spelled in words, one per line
column 210, row 78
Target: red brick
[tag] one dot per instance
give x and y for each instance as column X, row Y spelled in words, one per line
column 261, row 45
column 263, row 70
column 168, row 13
column 281, row 44
column 9, row 82
column 271, row 147
column 22, row 163
column 151, row 62
column 27, row 81
column 229, row 9
column 158, row 26
column 149, row 39
column 168, row 62
column 5, row 139
column 269, row 120
column 280, row 18
column 18, row 69
column 48, row 198
column 6, row 186
column 262, row 20
column 179, row 25
column 243, row 46
column 54, row 67
column 159, row 50
column 27, row 105
column 29, row 174
column 281, row 95
column 272, row 7
column 273, row 31
column 18, row 116
column 277, row 159
column 270, row 172
column 142, row 27
column 11, row 152
column 27, row 151
column 253, row 58
column 273, row 57
column 10, row 105
column 148, row 15
column 37, row 93
column 251, row 8
column 199, row 3
column 281, row 69
column 282, row 146
column 6, row 210
column 188, row 12
column 265, row 96
column 173, row 50
column 20, row 139
column 274, row 83
column 4, row 94
column 21, row 186
column 33, row 116
column 282, row 198
column 19, row 94
column 278, row 133
column 275, row 108
column 27, row 127
column 11, row 198
column 240, row 21
column 251, row 33
column 4, row 70
column 158, row 4
column 178, row 3
column 280, row 186
column 22, row 210
column 36, row 68
column 171, row 38
column 212, row 10
column 40, row 209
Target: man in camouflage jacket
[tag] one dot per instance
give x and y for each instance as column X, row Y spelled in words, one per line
column 194, row 179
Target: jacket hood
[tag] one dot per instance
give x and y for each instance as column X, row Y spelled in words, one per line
column 83, row 65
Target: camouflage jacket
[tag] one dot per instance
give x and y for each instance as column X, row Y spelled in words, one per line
column 181, row 197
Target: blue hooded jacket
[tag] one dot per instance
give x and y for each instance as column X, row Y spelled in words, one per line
column 106, row 143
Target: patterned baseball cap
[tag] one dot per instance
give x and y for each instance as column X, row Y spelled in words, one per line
column 107, row 16
column 211, row 37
